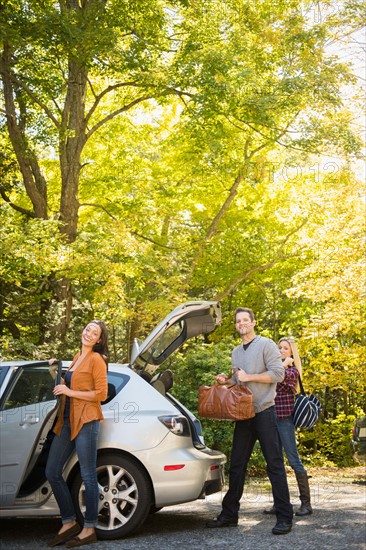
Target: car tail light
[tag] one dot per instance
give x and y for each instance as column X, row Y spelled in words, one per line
column 178, row 425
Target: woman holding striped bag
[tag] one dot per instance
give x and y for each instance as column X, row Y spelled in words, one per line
column 284, row 402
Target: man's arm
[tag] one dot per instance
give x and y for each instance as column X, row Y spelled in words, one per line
column 263, row 377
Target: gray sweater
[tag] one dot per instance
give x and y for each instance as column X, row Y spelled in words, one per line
column 262, row 355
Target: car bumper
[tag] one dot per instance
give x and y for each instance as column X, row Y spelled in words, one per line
column 199, row 473
column 211, row 487
column 359, row 446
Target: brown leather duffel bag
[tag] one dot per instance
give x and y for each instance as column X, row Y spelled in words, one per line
column 225, row 402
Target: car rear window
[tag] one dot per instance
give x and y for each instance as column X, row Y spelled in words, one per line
column 116, row 381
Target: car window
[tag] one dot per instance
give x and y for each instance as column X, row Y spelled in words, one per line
column 116, row 381
column 34, row 385
column 164, row 342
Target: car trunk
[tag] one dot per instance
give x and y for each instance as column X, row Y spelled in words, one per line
column 184, row 322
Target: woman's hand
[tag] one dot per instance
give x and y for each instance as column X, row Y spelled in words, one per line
column 288, row 362
column 53, row 368
column 62, row 389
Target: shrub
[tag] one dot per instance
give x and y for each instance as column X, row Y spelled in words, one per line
column 328, row 443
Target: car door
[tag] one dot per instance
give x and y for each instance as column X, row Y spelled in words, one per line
column 27, row 410
column 184, row 322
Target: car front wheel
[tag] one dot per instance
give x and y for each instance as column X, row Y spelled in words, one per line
column 125, row 496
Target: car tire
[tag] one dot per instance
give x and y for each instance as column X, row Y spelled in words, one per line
column 125, row 496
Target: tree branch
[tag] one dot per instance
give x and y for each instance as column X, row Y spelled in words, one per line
column 154, row 242
column 243, row 276
column 132, row 232
column 33, row 180
column 116, row 113
column 281, row 131
column 274, row 139
column 36, row 100
column 114, row 87
column 106, row 91
column 264, row 267
column 28, row 213
column 94, row 205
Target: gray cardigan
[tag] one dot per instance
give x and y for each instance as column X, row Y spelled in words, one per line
column 262, row 355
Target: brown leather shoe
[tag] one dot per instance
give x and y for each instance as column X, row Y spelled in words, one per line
column 73, row 543
column 66, row 535
column 221, row 522
column 282, row 528
column 304, row 510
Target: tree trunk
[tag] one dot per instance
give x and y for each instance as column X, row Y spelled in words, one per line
column 72, row 141
column 63, row 296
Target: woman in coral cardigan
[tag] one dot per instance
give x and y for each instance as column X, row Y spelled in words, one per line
column 84, row 387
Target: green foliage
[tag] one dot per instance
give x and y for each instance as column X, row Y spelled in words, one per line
column 198, row 365
column 212, row 146
column 328, row 443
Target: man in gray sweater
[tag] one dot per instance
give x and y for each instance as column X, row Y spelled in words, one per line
column 257, row 364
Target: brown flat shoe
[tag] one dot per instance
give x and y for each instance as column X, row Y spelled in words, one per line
column 73, row 543
column 66, row 535
column 270, row 510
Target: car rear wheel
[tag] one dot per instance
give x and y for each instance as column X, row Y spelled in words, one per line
column 125, row 496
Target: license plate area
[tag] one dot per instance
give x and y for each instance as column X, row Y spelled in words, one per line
column 362, row 432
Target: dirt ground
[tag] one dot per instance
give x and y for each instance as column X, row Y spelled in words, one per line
column 337, row 523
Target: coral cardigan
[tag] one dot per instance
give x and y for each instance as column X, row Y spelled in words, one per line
column 90, row 375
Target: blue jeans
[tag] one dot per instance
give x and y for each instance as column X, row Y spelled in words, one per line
column 286, row 429
column 263, row 428
column 85, row 445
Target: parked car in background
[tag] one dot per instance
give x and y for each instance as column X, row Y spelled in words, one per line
column 359, row 436
column 151, row 451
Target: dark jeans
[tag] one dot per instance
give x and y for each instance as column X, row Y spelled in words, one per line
column 263, row 428
column 85, row 444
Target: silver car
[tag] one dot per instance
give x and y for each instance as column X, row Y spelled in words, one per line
column 151, row 449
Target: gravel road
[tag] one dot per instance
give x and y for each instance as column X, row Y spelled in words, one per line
column 338, row 521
